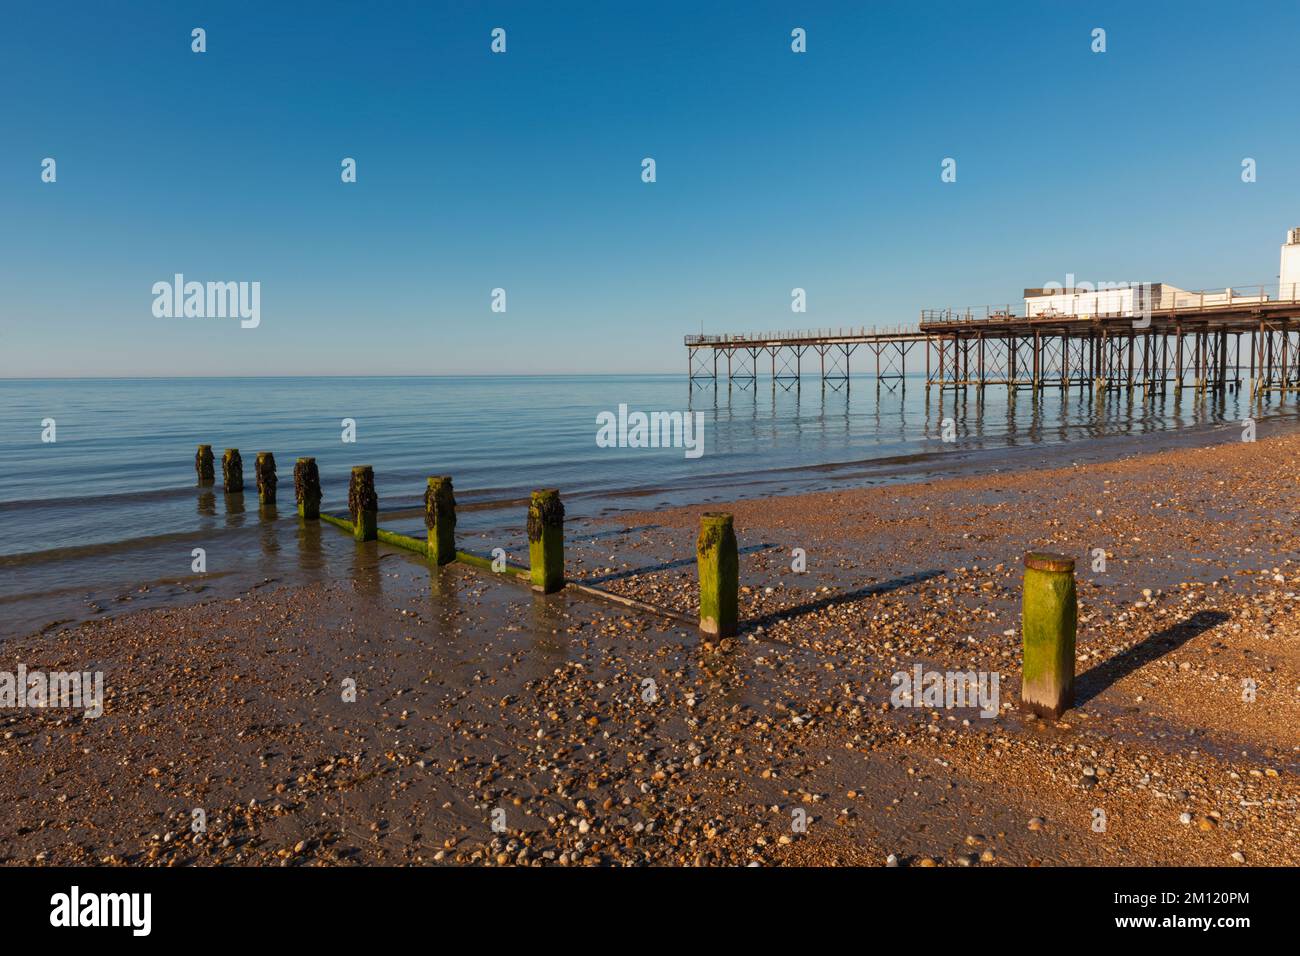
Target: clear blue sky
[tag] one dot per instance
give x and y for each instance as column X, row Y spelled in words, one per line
column 522, row 171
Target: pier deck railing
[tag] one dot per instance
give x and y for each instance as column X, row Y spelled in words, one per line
column 802, row 335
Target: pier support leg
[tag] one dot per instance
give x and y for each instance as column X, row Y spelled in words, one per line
column 440, row 519
column 718, row 562
column 232, row 471
column 1178, row 361
column 306, row 488
column 1038, row 362
column 1132, row 340
column 1254, row 351
column 363, row 504
column 1049, row 617
column 203, row 465
column 546, row 540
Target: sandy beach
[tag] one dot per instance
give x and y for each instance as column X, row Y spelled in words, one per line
column 495, row 726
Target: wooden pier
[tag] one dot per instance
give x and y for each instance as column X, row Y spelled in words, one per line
column 1208, row 341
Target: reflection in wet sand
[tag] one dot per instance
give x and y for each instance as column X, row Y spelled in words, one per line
column 547, row 617
column 366, row 577
column 444, row 596
column 310, row 555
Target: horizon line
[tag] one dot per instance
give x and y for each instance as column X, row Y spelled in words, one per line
column 109, row 378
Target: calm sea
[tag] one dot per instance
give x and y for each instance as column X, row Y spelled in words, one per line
column 107, row 515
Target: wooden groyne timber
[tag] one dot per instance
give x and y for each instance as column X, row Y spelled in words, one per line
column 1048, row 617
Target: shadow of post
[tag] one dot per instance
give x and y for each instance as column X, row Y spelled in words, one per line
column 883, row 587
column 666, row 566
column 1091, row 683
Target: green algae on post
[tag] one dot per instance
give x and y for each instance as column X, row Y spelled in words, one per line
column 203, row 465
column 338, row 522
column 232, row 470
column 546, row 540
column 363, row 503
column 718, row 562
column 402, row 541
column 474, row 560
column 264, row 471
column 1049, row 618
column 306, row 488
column 440, row 519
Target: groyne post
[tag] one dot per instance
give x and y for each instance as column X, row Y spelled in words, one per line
column 306, row 488
column 264, row 472
column 232, row 470
column 718, row 563
column 363, row 504
column 203, row 465
column 440, row 519
column 1049, row 618
column 546, row 540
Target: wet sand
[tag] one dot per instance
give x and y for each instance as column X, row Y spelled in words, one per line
column 480, row 703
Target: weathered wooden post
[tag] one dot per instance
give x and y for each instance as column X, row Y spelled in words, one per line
column 718, row 563
column 440, row 519
column 203, row 465
column 306, row 488
column 546, row 540
column 1049, row 618
column 232, row 470
column 264, row 471
column 363, row 504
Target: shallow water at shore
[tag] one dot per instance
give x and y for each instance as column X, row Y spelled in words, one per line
column 110, row 508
